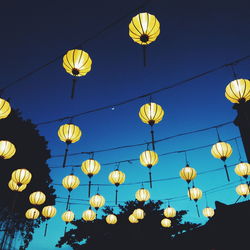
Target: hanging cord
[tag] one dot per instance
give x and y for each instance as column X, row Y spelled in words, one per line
column 66, row 154
column 225, row 167
column 218, row 135
column 238, row 149
column 206, row 198
column 73, row 87
column 144, row 55
column 116, row 195
column 185, row 152
column 67, row 205
column 235, row 77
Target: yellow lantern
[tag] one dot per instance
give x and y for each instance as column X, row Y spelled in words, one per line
column 195, row 194
column 97, row 201
column 111, row 219
column 5, row 108
column 89, row 215
column 14, row 187
column 166, row 222
column 170, row 212
column 142, row 195
column 188, row 174
column 68, row 216
column 48, row 212
column 238, row 91
column 139, row 214
column 37, row 198
column 69, row 133
column 7, row 150
column 90, row 167
column 208, row 212
column 132, row 219
column 32, row 214
column 21, row 176
column 243, row 190
column 242, row 169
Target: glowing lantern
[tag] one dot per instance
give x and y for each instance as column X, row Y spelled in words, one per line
column 68, row 216
column 37, row 198
column 90, row 167
column 21, row 176
column 238, row 91
column 32, row 214
column 48, row 212
column 69, row 133
column 195, row 194
column 14, row 187
column 166, row 222
column 97, row 201
column 117, row 177
column 222, row 150
column 139, row 214
column 111, row 219
column 7, row 150
column 77, row 63
column 132, row 219
column 169, row 212
column 242, row 169
column 149, row 159
column 5, row 108
column 142, row 195
column 243, row 190
column 188, row 174
column 89, row 215
column 208, row 212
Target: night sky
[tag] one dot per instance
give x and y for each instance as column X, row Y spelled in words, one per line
column 195, row 36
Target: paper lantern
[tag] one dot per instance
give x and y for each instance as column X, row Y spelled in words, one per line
column 89, row 215
column 139, row 214
column 70, row 182
column 21, row 176
column 188, row 174
column 242, row 169
column 32, row 214
column 208, row 212
column 5, row 108
column 48, row 212
column 142, row 195
column 243, row 190
column 169, row 212
column 97, row 201
column 68, row 216
column 14, row 187
column 7, row 150
column 111, row 219
column 195, row 194
column 132, row 219
column 166, row 222
column 37, row 198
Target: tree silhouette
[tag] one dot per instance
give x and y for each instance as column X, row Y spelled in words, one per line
column 147, row 234
column 32, row 154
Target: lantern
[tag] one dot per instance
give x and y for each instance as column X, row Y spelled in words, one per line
column 195, row 194
column 14, row 187
column 117, row 177
column 89, row 215
column 7, row 150
column 238, row 91
column 32, row 214
column 77, row 63
column 21, row 176
column 5, row 108
column 222, row 150
column 132, row 219
column 90, row 167
column 144, row 29
column 68, row 216
column 70, row 182
column 139, row 214
column 149, row 159
column 48, row 212
column 37, row 198
column 111, row 219
column 170, row 212
column 242, row 169
column 208, row 212
column 243, row 190
column 142, row 195
column 97, row 201
column 166, row 222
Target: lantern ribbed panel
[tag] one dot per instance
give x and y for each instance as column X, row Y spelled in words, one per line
column 139, row 214
column 195, row 194
column 68, row 216
column 37, row 198
column 149, row 158
column 69, row 133
column 132, row 219
column 14, row 187
column 166, row 222
column 169, row 212
column 111, row 219
column 77, row 62
column 5, row 108
column 151, row 113
column 117, row 177
column 242, row 189
column 32, row 214
column 144, row 24
column 49, row 211
column 97, row 201
column 70, row 182
column 208, row 212
column 91, row 167
column 221, row 150
column 242, row 169
column 21, row 176
column 89, row 215
column 7, row 149
column 142, row 194
column 238, row 91
column 188, row 173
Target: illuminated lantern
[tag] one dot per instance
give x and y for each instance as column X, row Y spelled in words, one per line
column 166, row 222
column 242, row 169
column 89, row 215
column 238, row 91
column 77, row 63
column 151, row 113
column 132, row 219
column 69, row 133
column 111, row 219
column 90, row 167
column 70, row 182
column 14, row 187
column 37, row 198
column 97, row 201
column 144, row 28
column 208, row 212
column 139, row 214
column 142, row 195
column 222, row 150
column 243, row 190
column 5, row 108
column 195, row 194
column 149, row 159
column 67, row 216
column 170, row 212
column 21, row 176
column 32, row 214
column 117, row 177
column 7, row 150
column 48, row 212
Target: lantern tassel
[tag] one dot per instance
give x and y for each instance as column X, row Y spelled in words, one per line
column 67, row 206
column 144, row 55
column 189, row 193
column 225, row 166
column 73, row 87
column 153, row 138
column 89, row 187
column 65, row 229
column 150, row 178
column 65, row 155
column 197, row 209
column 45, row 231
column 116, row 196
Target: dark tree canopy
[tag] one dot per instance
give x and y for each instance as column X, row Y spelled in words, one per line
column 31, row 153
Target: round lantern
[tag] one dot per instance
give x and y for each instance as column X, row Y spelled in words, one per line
column 68, row 216
column 139, row 214
column 243, row 190
column 166, row 222
column 89, row 215
column 111, row 219
column 97, row 201
column 188, row 174
column 195, row 194
column 14, row 187
column 142, row 195
column 21, row 176
column 5, row 108
column 242, row 169
column 238, row 91
column 48, row 212
column 37, row 198
column 32, row 214
column 7, row 150
column 208, row 212
column 132, row 219
column 170, row 212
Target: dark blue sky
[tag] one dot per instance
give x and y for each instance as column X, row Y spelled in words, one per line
column 195, row 36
